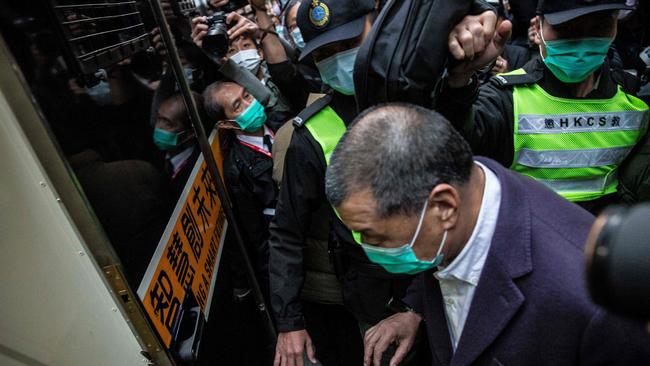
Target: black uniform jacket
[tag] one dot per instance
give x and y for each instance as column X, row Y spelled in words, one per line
column 366, row 287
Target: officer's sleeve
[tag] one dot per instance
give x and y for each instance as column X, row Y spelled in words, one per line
column 301, row 192
column 484, row 116
column 291, row 83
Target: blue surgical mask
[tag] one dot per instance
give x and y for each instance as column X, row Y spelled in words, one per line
column 252, row 118
column 279, row 29
column 337, row 70
column 573, row 60
column 189, row 74
column 297, row 39
column 403, row 259
column 100, row 93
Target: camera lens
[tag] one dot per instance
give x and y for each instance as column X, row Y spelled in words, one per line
column 619, row 270
column 216, row 40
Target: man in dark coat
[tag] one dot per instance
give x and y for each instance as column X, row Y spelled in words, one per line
column 499, row 256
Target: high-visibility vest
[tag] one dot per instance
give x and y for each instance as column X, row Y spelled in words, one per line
column 327, row 128
column 574, row 146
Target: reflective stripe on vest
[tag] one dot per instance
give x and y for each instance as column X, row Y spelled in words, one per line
column 327, row 128
column 574, row 146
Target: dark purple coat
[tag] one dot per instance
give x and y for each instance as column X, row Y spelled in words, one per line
column 531, row 306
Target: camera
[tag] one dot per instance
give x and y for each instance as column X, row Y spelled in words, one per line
column 618, row 261
column 216, row 41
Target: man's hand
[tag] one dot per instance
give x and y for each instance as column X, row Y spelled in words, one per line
column 400, row 328
column 158, row 44
column 240, row 25
column 290, row 348
column 500, row 66
column 533, row 36
column 199, row 30
column 218, row 3
column 475, row 43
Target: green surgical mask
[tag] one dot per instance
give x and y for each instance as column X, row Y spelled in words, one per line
column 403, row 259
column 253, row 118
column 573, row 60
column 165, row 140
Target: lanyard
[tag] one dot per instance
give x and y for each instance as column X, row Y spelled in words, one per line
column 256, row 148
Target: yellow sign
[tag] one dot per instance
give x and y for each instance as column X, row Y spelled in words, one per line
column 185, row 262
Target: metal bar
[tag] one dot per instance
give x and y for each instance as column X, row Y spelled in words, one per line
column 94, row 5
column 190, row 103
column 93, row 53
column 76, row 39
column 99, row 18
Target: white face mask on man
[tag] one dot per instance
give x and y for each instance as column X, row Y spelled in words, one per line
column 249, row 59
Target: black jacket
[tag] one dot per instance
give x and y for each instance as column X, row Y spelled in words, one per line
column 247, row 175
column 366, row 287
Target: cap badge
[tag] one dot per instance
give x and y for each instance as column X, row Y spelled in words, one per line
column 319, row 13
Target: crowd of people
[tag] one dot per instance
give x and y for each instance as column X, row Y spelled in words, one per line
column 551, row 94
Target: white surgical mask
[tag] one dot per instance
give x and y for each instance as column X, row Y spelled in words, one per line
column 297, row 39
column 248, row 59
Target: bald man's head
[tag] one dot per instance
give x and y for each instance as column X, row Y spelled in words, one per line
column 398, row 152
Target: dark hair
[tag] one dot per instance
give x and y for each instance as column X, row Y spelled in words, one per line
column 181, row 117
column 285, row 11
column 400, row 152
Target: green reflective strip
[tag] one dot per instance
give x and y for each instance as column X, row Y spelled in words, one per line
column 327, row 128
column 583, row 189
column 561, row 173
column 357, row 236
column 513, row 72
column 578, row 158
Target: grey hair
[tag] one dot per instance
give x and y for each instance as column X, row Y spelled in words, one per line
column 213, row 109
column 400, row 152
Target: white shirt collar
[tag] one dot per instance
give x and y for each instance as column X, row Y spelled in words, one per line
column 178, row 159
column 467, row 266
column 257, row 140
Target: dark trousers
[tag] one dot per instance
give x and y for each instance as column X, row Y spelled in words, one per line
column 334, row 333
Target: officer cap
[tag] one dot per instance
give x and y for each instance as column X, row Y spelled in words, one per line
column 556, row 12
column 326, row 21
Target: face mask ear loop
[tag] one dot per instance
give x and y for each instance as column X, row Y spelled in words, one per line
column 442, row 243
column 541, row 35
column 417, row 230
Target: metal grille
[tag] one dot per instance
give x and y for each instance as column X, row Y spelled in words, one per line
column 100, row 33
column 186, row 7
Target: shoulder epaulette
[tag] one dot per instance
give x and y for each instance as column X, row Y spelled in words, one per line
column 311, row 109
column 516, row 77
